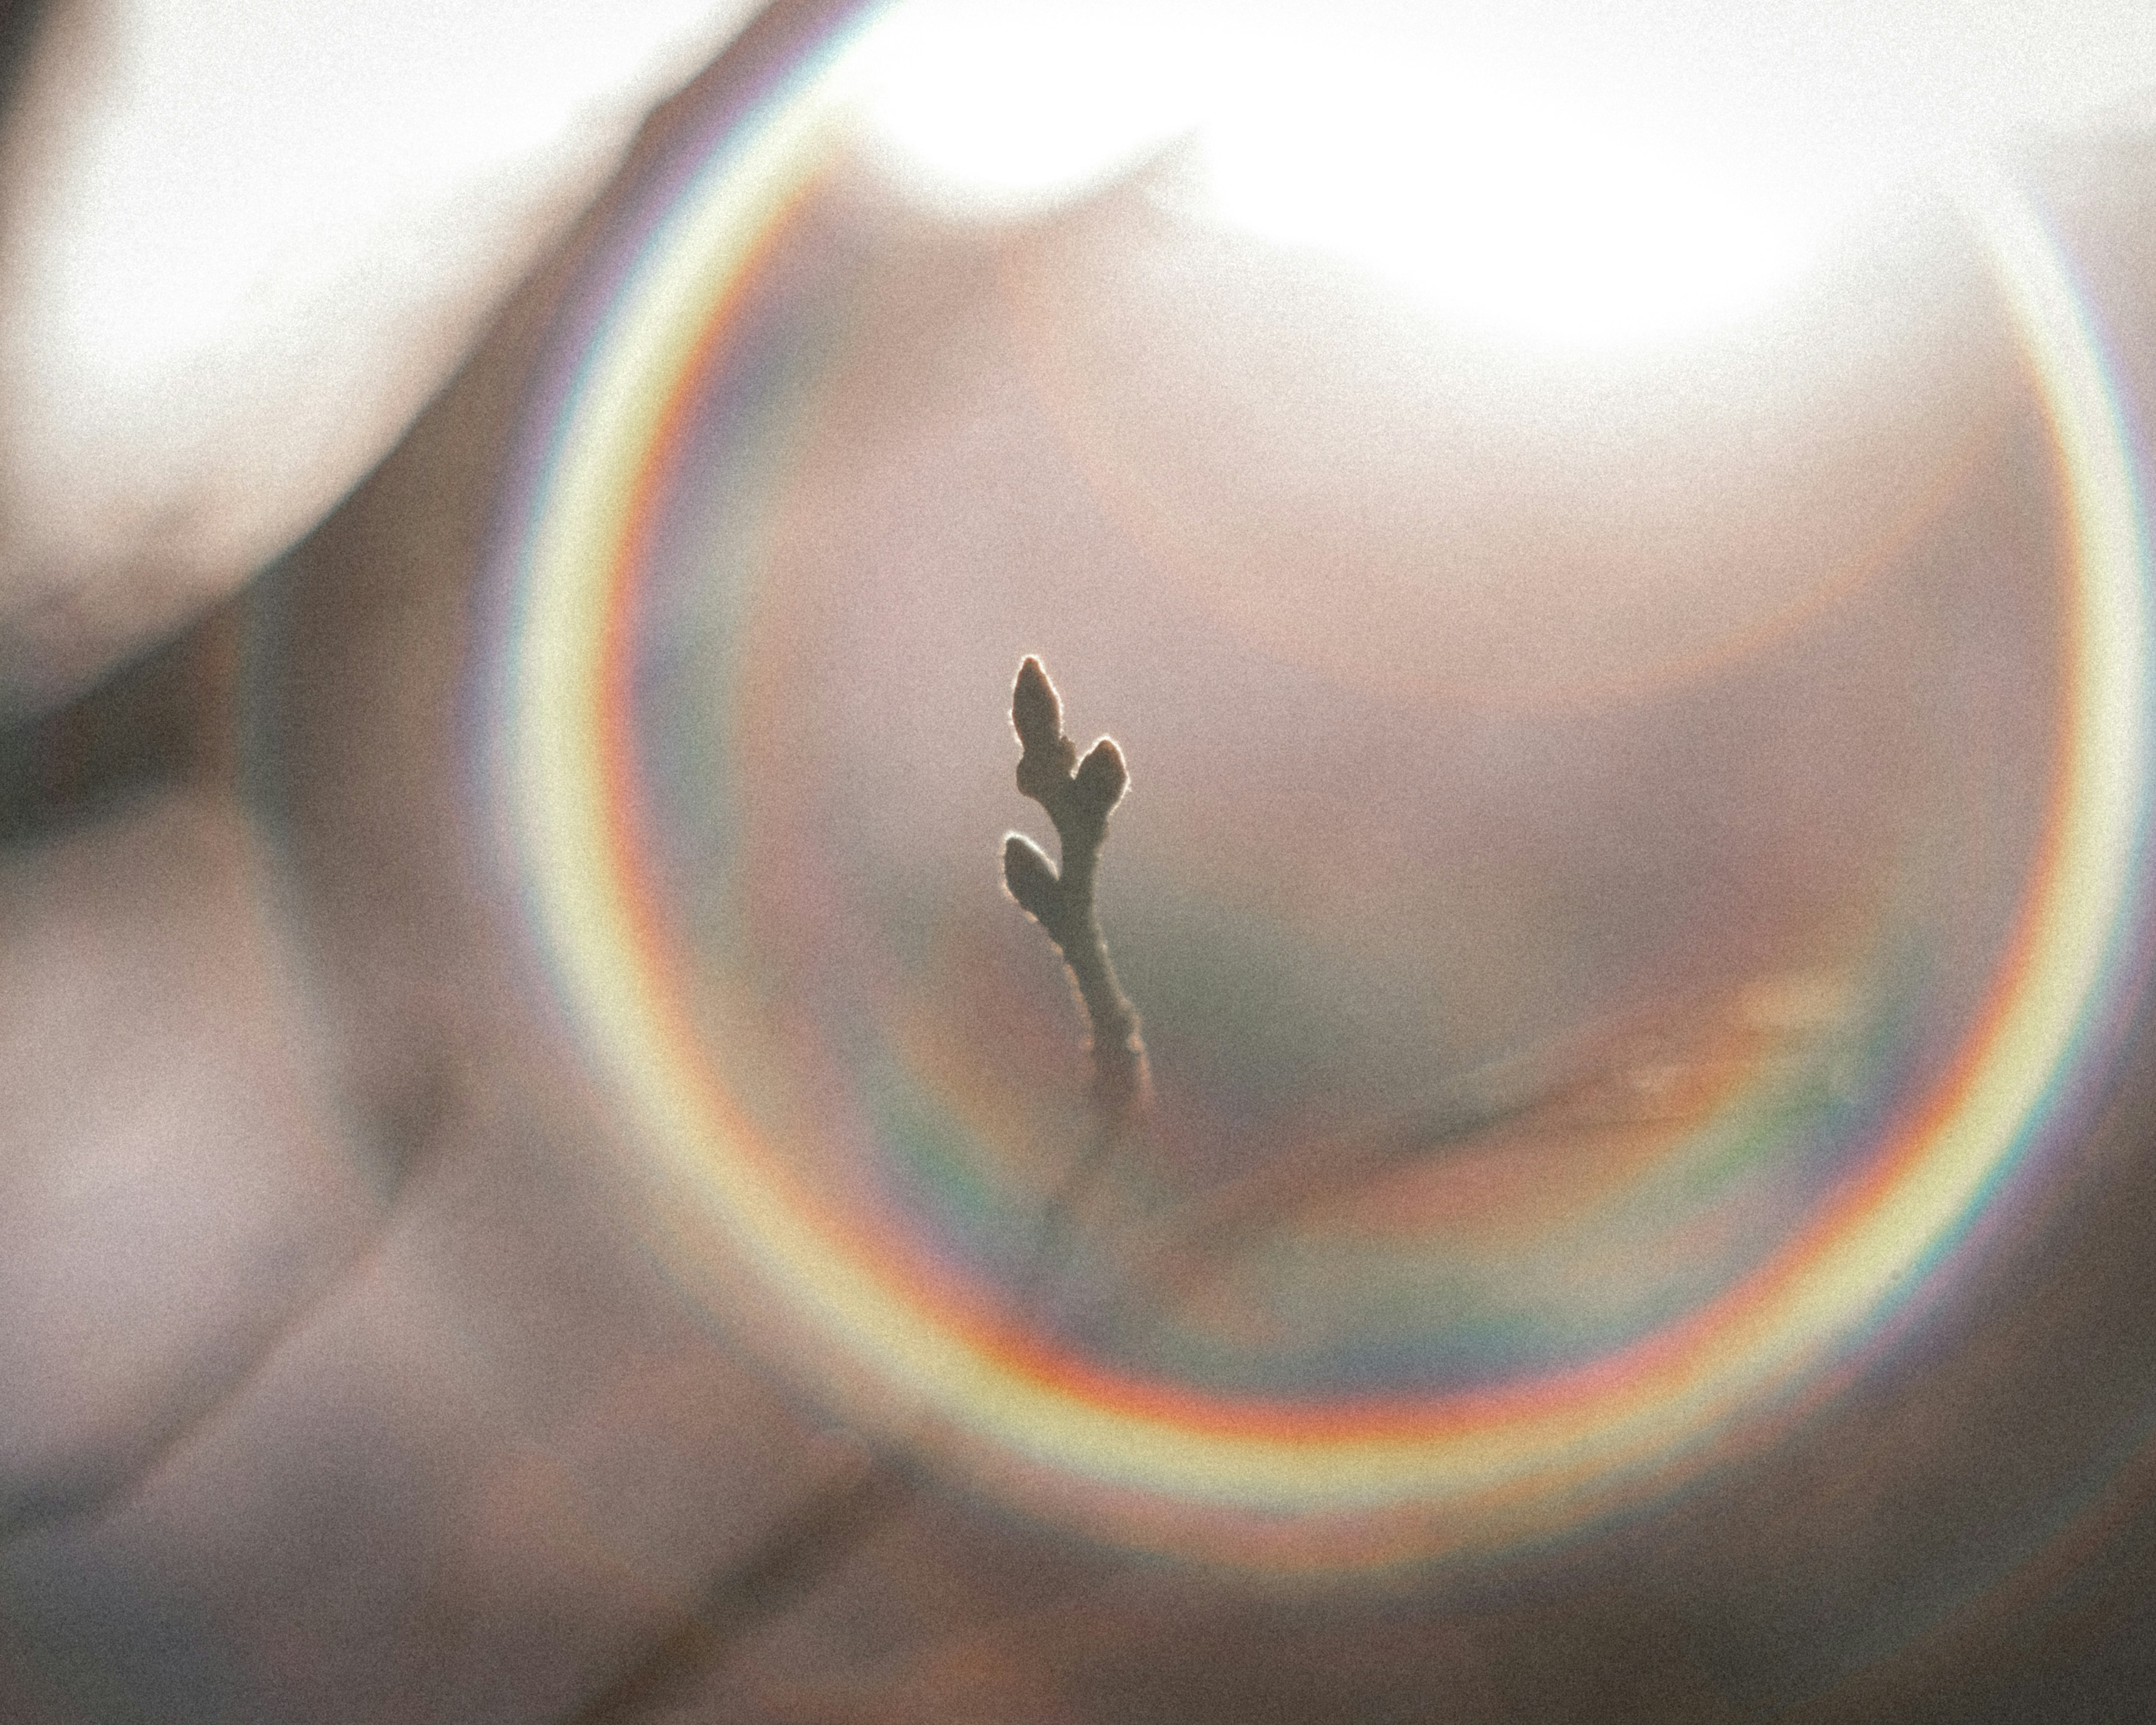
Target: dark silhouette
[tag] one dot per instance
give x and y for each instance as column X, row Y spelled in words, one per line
column 1079, row 796
column 801, row 1552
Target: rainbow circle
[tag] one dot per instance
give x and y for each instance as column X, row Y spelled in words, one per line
column 1474, row 1471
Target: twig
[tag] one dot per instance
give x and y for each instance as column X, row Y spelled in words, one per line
column 804, row 1549
column 1078, row 796
column 787, row 1565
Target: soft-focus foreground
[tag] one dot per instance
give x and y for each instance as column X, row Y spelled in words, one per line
column 547, row 1180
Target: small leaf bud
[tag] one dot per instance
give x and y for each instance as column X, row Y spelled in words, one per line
column 1102, row 777
column 1030, row 877
column 1036, row 712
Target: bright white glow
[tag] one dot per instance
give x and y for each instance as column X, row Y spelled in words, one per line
column 244, row 241
column 1509, row 207
column 994, row 110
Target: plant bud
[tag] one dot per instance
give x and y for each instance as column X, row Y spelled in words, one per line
column 1102, row 777
column 1036, row 713
column 1030, row 877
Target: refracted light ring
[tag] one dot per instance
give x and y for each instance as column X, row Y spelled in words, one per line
column 1246, row 1480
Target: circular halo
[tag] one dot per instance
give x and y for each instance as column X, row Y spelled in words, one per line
column 1410, row 1478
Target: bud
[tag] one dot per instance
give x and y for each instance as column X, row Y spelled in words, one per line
column 1036, row 713
column 1102, row 777
column 1030, row 877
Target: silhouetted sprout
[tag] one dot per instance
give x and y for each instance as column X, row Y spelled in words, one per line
column 802, row 1550
column 1078, row 796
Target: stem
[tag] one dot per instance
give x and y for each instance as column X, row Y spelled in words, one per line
column 1078, row 799
column 799, row 1553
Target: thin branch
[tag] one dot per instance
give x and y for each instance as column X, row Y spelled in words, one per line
column 802, row 1550
column 1078, row 796
column 786, row 1566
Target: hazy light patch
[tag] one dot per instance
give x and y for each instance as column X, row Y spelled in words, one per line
column 1506, row 206
column 995, row 111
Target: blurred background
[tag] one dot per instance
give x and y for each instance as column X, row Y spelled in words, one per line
column 1568, row 521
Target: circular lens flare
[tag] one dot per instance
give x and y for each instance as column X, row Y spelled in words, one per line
column 1469, row 1299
